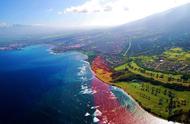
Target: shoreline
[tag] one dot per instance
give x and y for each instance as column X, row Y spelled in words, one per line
column 51, row 51
column 131, row 97
column 114, row 85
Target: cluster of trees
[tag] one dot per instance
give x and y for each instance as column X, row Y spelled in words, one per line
column 144, row 96
column 185, row 77
column 178, row 103
column 172, row 103
column 152, row 90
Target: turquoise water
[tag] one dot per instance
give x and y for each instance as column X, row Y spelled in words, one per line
column 37, row 87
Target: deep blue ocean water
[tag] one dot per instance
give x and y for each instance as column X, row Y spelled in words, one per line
column 37, row 87
column 34, row 83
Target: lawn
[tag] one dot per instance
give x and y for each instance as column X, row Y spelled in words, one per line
column 162, row 77
column 177, row 54
column 156, row 98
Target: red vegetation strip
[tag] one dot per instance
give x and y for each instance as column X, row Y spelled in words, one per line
column 100, row 63
column 112, row 111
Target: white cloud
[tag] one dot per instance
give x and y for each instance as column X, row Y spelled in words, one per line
column 115, row 12
column 3, row 24
column 94, row 6
column 38, row 24
column 91, row 6
column 60, row 13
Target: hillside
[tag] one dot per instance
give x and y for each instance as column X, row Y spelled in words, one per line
column 161, row 31
column 151, row 35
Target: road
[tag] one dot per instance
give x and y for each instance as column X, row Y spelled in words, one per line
column 129, row 47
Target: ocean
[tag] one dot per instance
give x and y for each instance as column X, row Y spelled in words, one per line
column 40, row 87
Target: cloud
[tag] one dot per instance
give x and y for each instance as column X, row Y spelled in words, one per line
column 95, row 6
column 37, row 24
column 108, row 8
column 60, row 13
column 3, row 24
column 98, row 6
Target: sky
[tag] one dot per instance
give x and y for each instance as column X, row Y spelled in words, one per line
column 79, row 13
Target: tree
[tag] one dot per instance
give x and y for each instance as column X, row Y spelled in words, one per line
column 157, row 75
column 160, row 101
column 169, row 79
column 185, row 77
column 161, row 76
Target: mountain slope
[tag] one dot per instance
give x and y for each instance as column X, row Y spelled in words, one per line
column 176, row 18
column 160, row 31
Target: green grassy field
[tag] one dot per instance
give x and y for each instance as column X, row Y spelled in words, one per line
column 162, row 77
column 146, row 59
column 177, row 54
column 161, row 98
column 156, row 99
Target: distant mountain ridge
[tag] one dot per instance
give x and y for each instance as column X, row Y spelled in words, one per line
column 169, row 20
column 150, row 35
column 159, row 31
